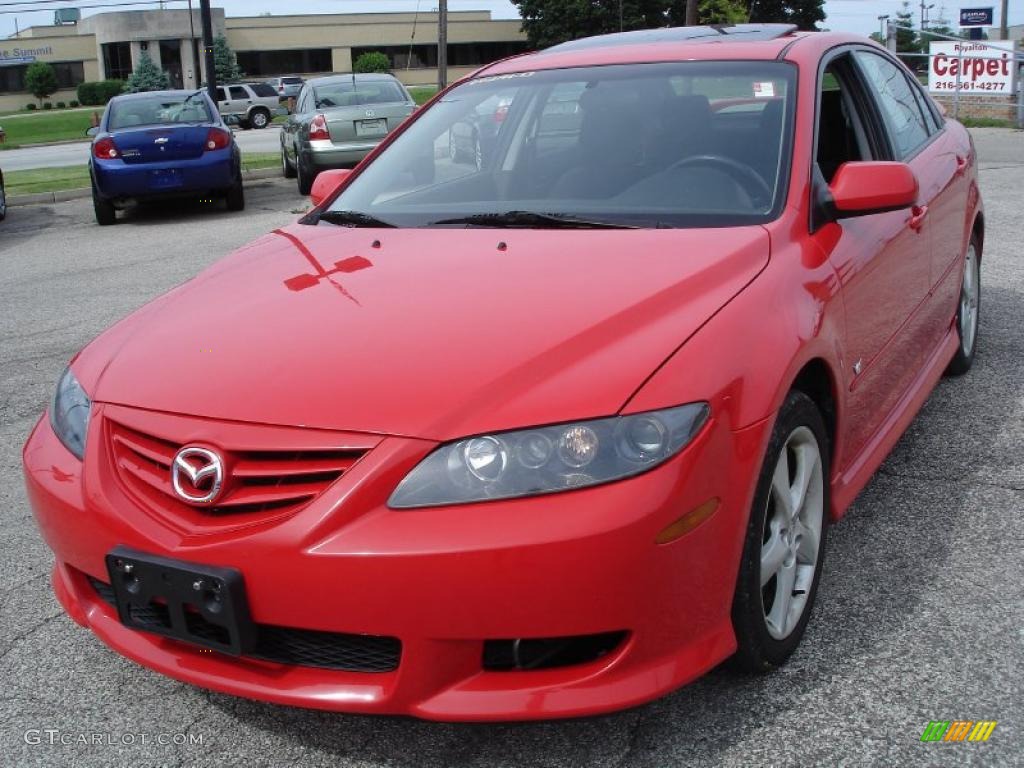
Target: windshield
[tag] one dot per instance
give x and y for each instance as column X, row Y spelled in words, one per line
column 345, row 93
column 158, row 110
column 685, row 144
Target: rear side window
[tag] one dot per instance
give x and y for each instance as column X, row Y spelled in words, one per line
column 262, row 89
column 238, row 92
column 901, row 109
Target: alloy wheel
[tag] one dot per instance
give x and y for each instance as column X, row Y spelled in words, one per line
column 969, row 296
column 792, row 533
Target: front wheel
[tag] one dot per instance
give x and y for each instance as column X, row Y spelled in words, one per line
column 785, row 539
column 967, row 313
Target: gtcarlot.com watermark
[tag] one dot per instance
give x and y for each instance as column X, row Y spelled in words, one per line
column 57, row 737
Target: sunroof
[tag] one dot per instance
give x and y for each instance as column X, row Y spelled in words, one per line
column 710, row 34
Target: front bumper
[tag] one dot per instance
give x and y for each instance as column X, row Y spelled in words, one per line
column 441, row 580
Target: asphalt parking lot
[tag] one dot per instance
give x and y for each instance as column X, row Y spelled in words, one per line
column 920, row 615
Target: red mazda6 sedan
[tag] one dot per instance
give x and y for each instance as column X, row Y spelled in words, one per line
column 546, row 435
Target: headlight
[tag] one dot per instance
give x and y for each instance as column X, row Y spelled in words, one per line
column 69, row 413
column 548, row 459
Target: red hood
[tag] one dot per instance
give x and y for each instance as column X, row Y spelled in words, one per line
column 432, row 333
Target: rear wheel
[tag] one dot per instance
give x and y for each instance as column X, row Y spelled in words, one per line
column 785, row 540
column 259, row 118
column 287, row 167
column 967, row 313
column 103, row 208
column 304, row 177
column 235, row 197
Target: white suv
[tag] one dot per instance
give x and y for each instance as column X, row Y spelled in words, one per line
column 254, row 104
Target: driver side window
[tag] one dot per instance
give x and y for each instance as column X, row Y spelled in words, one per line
column 841, row 131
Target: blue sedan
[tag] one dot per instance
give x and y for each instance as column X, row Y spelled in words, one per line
column 162, row 144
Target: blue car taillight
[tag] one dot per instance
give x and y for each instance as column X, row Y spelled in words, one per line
column 106, row 149
column 217, row 139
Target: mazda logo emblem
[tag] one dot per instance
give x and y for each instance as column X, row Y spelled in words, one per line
column 197, row 475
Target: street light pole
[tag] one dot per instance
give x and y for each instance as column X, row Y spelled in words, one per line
column 211, row 69
column 881, row 27
column 442, row 44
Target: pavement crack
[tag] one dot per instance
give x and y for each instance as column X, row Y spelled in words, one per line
column 31, row 630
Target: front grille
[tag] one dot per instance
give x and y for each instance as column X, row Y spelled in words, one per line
column 258, row 481
column 294, row 647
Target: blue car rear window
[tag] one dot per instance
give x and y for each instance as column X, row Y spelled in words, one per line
column 158, row 110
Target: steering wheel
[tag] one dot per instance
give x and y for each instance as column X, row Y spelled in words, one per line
column 746, row 176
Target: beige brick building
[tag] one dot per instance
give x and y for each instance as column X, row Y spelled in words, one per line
column 108, row 45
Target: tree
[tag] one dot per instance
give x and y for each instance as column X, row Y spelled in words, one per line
column 722, row 12
column 41, row 80
column 549, row 22
column 804, row 13
column 147, row 76
column 224, row 62
column 907, row 40
column 372, row 61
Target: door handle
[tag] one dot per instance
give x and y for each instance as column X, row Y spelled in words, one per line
column 917, row 216
column 961, row 165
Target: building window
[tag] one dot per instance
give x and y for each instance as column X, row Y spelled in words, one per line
column 459, row 54
column 285, row 62
column 69, row 75
column 117, row 60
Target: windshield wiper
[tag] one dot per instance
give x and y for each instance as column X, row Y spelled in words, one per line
column 531, row 219
column 351, row 219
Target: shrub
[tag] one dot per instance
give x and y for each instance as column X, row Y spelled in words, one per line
column 372, row 61
column 98, row 93
column 48, row 105
column 61, row 105
column 73, row 104
column 31, row 106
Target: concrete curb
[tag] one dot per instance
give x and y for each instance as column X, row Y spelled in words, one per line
column 63, row 196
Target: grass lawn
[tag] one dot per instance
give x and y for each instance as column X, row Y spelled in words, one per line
column 45, row 126
column 422, row 93
column 77, row 176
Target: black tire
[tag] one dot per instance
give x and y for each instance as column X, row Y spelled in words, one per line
column 759, row 650
column 259, row 118
column 969, row 301
column 235, row 197
column 304, row 177
column 103, row 208
column 287, row 166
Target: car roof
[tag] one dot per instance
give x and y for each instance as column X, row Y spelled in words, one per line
column 750, row 42
column 143, row 94
column 362, row 77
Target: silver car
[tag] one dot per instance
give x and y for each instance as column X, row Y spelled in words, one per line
column 338, row 120
column 286, row 86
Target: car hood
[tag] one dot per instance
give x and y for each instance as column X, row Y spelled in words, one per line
column 426, row 333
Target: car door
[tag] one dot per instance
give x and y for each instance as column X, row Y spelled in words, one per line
column 918, row 140
column 292, row 125
column 882, row 259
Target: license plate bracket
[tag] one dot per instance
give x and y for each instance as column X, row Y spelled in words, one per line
column 200, row 604
column 164, row 178
column 377, row 127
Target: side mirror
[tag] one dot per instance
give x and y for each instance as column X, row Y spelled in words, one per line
column 327, row 183
column 860, row 189
column 90, row 132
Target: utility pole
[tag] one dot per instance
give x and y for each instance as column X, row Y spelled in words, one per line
column 211, row 69
column 881, row 27
column 442, row 44
column 1004, row 25
column 691, row 13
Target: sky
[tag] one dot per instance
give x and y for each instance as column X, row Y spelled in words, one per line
column 858, row 16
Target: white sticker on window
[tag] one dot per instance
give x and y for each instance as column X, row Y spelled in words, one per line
column 764, row 90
